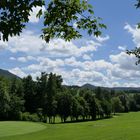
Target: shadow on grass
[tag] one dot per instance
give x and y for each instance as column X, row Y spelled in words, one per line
column 117, row 114
column 86, row 120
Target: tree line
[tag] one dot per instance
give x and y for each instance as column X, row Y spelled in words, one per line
column 46, row 98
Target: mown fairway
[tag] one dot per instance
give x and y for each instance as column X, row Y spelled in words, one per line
column 123, row 127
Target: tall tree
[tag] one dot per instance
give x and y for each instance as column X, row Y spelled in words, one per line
column 117, row 105
column 53, row 85
column 125, row 102
column 84, row 108
column 90, row 99
column 64, row 105
column 99, row 93
column 41, row 89
column 4, row 100
column 16, row 99
column 29, row 89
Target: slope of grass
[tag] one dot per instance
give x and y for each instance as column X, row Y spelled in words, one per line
column 123, row 127
column 10, row 128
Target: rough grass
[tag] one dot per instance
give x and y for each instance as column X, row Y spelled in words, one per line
column 122, row 127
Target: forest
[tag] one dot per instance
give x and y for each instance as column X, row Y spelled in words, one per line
column 44, row 99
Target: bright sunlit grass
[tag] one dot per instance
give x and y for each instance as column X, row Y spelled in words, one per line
column 122, row 127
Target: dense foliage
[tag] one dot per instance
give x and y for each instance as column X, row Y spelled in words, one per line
column 46, row 98
column 59, row 18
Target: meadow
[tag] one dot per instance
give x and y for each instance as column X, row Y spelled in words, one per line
column 123, row 127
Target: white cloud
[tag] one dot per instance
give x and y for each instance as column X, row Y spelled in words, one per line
column 27, row 43
column 17, row 71
column 135, row 32
column 102, row 39
column 75, row 25
column 86, row 57
column 3, row 45
column 22, row 59
column 34, row 12
column 93, row 77
column 30, row 44
column 74, row 62
column 26, row 59
column 98, row 72
column 122, row 48
column 12, row 58
column 125, row 61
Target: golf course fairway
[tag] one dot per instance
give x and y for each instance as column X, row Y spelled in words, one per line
column 121, row 127
column 10, row 128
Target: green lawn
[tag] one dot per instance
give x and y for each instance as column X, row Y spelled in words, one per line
column 123, row 127
column 10, row 128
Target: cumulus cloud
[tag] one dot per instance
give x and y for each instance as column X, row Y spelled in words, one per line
column 12, row 58
column 102, row 39
column 135, row 32
column 74, row 62
column 23, row 59
column 121, row 67
column 125, row 61
column 122, row 48
column 27, row 43
column 3, row 45
column 17, row 71
column 86, row 57
column 30, row 44
column 34, row 12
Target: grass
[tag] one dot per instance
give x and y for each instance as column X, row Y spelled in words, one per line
column 10, row 128
column 122, row 127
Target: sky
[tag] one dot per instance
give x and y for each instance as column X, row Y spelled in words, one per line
column 99, row 61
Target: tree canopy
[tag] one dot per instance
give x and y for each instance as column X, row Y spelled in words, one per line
column 59, row 18
column 46, row 98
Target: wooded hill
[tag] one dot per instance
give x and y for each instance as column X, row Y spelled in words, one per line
column 7, row 74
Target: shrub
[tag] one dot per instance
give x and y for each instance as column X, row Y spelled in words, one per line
column 26, row 116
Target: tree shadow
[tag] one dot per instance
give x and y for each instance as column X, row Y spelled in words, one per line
column 86, row 120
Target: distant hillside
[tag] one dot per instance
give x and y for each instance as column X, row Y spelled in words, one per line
column 127, row 88
column 130, row 89
column 7, row 74
column 89, row 86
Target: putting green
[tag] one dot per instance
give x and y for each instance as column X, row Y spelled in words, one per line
column 9, row 128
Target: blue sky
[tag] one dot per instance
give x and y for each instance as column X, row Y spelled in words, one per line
column 99, row 61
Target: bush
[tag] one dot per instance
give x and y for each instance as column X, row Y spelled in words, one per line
column 29, row 117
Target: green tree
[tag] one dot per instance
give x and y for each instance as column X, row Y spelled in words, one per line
column 117, row 105
column 90, row 99
column 84, row 110
column 41, row 89
column 59, row 17
column 53, row 86
column 125, row 102
column 16, row 99
column 64, row 102
column 99, row 109
column 107, row 107
column 132, row 104
column 14, row 14
column 29, row 89
column 4, row 100
column 99, row 93
column 74, row 113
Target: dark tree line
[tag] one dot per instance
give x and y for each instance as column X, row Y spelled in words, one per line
column 46, row 98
